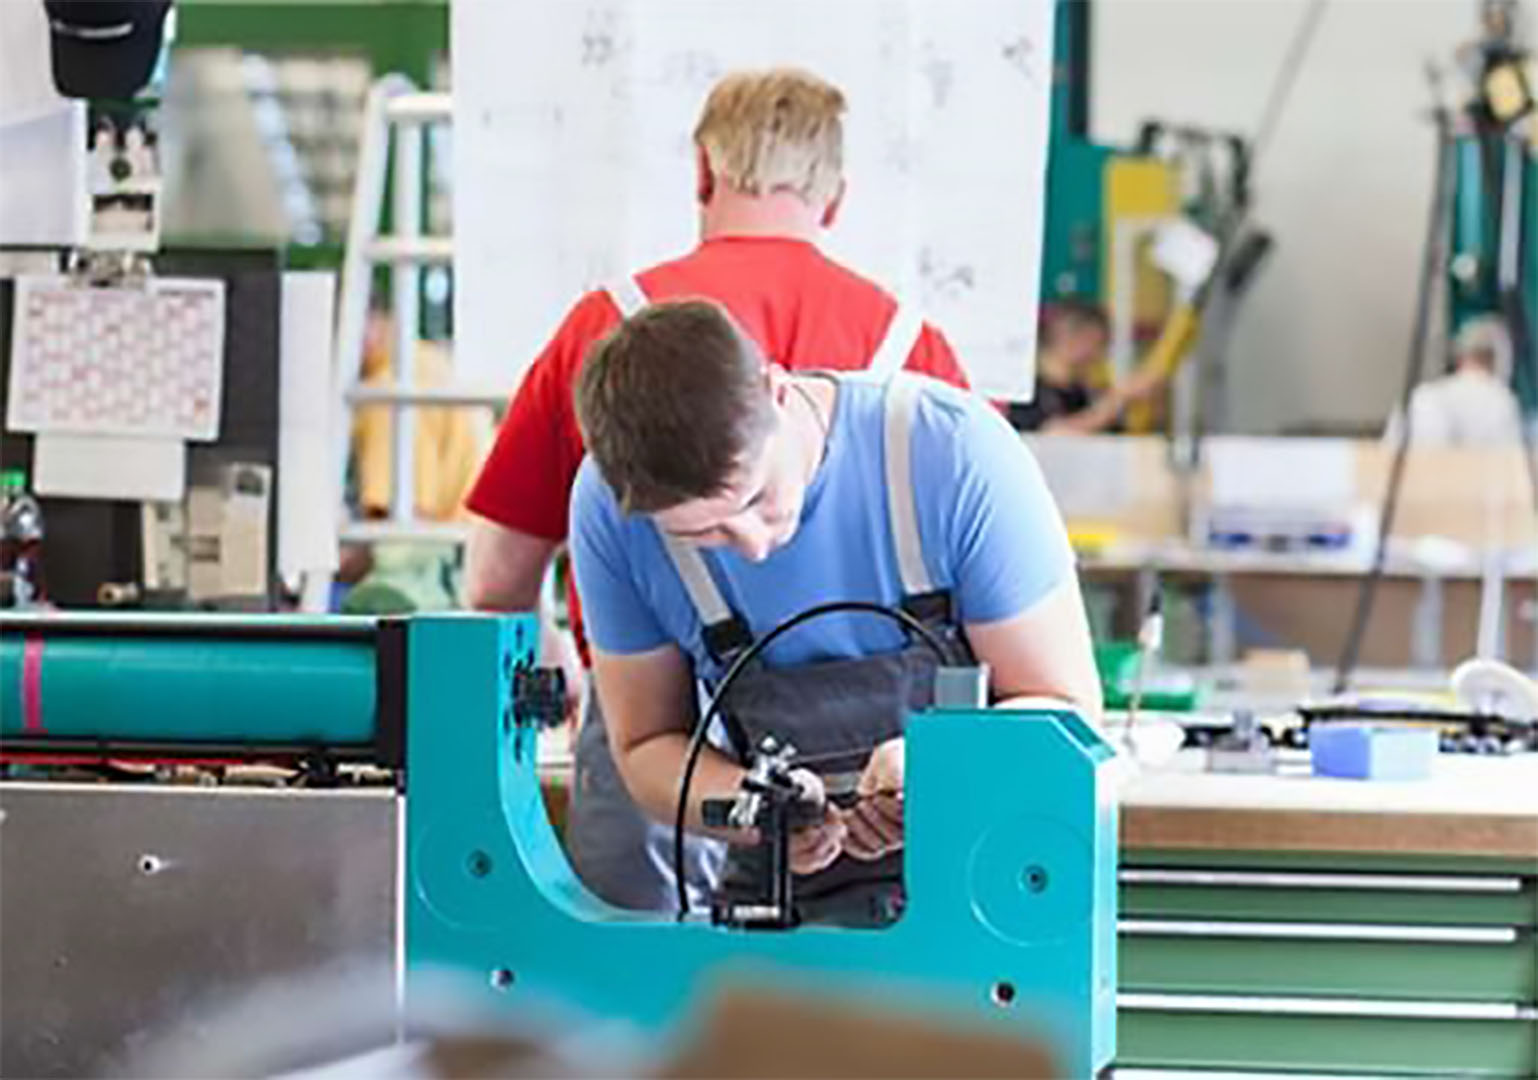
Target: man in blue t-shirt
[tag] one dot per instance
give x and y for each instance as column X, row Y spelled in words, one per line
column 722, row 496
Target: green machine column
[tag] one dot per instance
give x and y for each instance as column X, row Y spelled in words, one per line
column 1476, row 242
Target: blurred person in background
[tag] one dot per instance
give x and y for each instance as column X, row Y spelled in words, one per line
column 1066, row 400
column 1473, row 404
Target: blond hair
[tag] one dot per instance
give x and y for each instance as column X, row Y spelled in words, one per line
column 775, row 130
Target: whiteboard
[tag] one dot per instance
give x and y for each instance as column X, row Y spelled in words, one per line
column 573, row 159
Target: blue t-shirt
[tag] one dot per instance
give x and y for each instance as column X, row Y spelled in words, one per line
column 990, row 531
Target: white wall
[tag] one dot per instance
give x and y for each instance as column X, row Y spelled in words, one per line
column 572, row 153
column 1344, row 185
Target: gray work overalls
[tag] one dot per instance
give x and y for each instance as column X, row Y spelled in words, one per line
column 625, row 857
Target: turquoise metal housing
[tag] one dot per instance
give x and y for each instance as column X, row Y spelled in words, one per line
column 1011, row 872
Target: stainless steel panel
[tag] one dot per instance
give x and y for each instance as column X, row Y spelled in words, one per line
column 125, row 909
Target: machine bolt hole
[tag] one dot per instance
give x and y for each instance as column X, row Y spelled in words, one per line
column 479, row 864
column 1035, row 878
column 1003, row 993
column 502, row 979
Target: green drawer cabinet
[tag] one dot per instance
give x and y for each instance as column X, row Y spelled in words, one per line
column 1353, row 969
column 1493, row 908
column 1374, row 965
column 1335, row 1045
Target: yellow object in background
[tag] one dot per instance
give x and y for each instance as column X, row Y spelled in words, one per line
column 1138, row 191
column 1164, row 356
column 450, row 442
column 1507, row 92
column 1092, row 538
column 1175, row 340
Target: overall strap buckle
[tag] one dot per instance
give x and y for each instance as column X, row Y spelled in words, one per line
column 726, row 639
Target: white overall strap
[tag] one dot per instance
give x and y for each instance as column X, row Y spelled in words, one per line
column 902, row 397
column 708, row 602
column 627, row 294
column 902, row 334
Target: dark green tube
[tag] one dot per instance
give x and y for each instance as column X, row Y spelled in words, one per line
column 196, row 689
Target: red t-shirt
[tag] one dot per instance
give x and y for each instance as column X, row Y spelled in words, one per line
column 805, row 311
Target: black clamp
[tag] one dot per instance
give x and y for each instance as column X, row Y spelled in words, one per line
column 724, row 640
column 932, row 608
column 769, row 800
column 539, row 697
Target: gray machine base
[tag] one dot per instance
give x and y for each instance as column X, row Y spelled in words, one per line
column 125, row 910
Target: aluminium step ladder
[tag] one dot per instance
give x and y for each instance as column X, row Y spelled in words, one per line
column 395, row 115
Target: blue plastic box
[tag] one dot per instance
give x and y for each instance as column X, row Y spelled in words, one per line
column 1372, row 751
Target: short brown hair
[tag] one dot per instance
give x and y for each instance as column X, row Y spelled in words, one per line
column 775, row 130
column 1075, row 313
column 670, row 402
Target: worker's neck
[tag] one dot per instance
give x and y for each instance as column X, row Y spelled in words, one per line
column 814, row 398
column 781, row 215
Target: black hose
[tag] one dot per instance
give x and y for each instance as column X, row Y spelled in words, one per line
column 697, row 736
column 1286, row 78
column 1431, row 272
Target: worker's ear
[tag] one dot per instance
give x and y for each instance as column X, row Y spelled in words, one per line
column 704, row 179
column 835, row 204
column 777, row 380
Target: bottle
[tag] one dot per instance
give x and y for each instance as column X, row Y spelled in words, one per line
column 21, row 543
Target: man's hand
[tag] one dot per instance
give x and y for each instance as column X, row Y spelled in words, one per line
column 876, row 823
column 815, row 847
column 1147, row 380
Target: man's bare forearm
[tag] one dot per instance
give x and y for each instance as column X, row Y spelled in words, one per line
column 654, row 768
column 505, row 569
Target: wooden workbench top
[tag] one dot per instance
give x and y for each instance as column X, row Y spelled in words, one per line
column 1484, row 806
column 1469, row 806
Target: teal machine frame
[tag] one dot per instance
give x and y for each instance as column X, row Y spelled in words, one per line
column 1011, row 823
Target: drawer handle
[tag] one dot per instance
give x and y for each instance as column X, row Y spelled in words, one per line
column 1324, row 1006
column 1283, row 880
column 1456, row 935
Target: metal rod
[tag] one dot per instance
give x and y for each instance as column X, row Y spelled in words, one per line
column 405, row 286
column 352, row 313
column 407, row 250
column 1433, row 261
column 423, row 532
column 422, row 108
column 402, row 396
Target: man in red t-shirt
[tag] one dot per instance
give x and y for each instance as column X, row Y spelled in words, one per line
column 769, row 163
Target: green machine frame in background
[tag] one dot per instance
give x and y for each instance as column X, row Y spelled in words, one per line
column 1073, row 233
column 405, row 36
column 394, row 35
column 1474, row 279
column 1493, row 264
